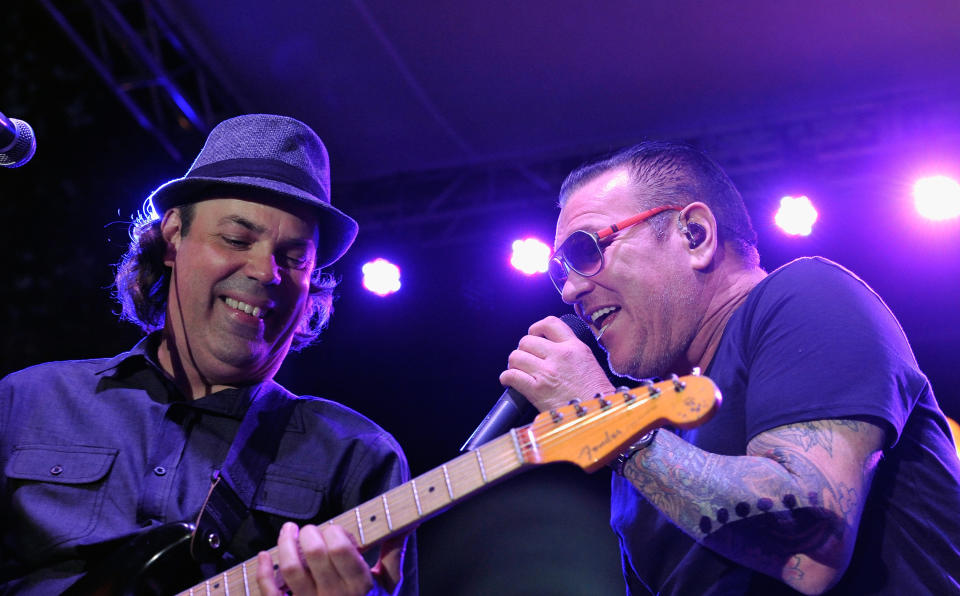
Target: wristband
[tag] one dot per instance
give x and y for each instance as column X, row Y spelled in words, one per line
column 642, row 443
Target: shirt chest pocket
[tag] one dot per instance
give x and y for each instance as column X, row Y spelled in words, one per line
column 57, row 493
column 290, row 494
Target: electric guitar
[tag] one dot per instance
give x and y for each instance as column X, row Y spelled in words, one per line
column 589, row 434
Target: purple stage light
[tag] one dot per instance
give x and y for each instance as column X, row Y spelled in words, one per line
column 937, row 198
column 530, row 256
column 796, row 216
column 381, row 277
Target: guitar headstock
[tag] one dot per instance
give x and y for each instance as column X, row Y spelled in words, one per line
column 593, row 432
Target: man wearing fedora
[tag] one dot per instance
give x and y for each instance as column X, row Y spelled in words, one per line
column 189, row 426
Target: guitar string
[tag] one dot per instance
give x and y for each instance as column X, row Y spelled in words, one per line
column 563, row 432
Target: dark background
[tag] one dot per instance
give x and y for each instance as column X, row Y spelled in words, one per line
column 450, row 128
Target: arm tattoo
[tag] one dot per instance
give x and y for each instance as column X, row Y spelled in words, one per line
column 790, row 502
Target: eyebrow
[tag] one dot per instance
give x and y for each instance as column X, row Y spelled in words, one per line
column 242, row 221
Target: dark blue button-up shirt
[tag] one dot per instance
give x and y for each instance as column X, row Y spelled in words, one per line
column 93, row 451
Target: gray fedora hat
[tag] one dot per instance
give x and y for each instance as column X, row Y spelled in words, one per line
column 265, row 155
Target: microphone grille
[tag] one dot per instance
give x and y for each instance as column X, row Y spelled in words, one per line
column 579, row 328
column 23, row 148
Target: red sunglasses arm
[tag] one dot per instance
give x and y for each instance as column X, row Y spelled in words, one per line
column 636, row 219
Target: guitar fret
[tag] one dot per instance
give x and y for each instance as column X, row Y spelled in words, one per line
column 516, row 444
column 356, row 510
column 226, row 584
column 483, row 471
column 446, row 478
column 386, row 511
column 246, row 585
column 416, row 497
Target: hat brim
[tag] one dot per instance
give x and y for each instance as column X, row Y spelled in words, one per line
column 337, row 230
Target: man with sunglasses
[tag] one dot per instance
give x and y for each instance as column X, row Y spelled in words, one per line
column 829, row 466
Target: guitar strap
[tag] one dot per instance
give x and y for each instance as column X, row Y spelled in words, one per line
column 235, row 484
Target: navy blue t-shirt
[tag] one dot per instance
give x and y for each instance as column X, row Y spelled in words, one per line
column 812, row 342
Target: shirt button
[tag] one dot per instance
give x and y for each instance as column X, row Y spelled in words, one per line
column 56, row 470
column 160, row 471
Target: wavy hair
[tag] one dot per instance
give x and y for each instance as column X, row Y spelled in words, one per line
column 142, row 282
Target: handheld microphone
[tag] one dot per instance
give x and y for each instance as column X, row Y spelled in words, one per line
column 17, row 142
column 513, row 408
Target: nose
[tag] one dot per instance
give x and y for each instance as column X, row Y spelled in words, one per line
column 575, row 287
column 262, row 266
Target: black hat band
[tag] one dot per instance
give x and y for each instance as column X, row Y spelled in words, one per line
column 270, row 169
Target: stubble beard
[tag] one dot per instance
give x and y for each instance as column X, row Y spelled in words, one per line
column 659, row 361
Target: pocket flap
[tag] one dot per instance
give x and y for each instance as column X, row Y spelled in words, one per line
column 288, row 493
column 60, row 464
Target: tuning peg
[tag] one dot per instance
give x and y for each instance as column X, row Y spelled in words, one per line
column 678, row 385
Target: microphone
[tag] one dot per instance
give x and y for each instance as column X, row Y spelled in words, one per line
column 513, row 407
column 510, row 409
column 17, row 142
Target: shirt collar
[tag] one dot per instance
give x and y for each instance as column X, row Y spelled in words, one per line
column 146, row 349
column 232, row 402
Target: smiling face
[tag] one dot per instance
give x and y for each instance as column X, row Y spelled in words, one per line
column 239, row 286
column 642, row 304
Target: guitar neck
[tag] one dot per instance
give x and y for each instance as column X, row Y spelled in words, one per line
column 431, row 493
column 405, row 506
column 588, row 434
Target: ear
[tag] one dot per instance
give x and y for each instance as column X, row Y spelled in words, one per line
column 697, row 228
column 170, row 227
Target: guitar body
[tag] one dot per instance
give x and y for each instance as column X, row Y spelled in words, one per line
column 156, row 562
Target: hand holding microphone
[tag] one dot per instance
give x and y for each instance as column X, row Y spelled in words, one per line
column 557, row 361
column 554, row 364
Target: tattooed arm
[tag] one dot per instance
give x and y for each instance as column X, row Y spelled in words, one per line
column 789, row 508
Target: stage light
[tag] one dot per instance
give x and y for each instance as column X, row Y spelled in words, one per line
column 796, row 216
column 530, row 256
column 381, row 277
column 937, row 197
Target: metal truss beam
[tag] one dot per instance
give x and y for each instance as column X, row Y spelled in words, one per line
column 457, row 205
column 162, row 83
column 135, row 50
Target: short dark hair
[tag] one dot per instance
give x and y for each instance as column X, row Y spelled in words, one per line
column 142, row 282
column 667, row 172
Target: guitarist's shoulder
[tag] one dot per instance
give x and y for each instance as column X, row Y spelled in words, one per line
column 340, row 422
column 49, row 374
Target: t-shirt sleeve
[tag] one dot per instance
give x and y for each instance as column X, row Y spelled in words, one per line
column 821, row 345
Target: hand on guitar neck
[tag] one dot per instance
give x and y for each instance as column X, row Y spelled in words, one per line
column 325, row 560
